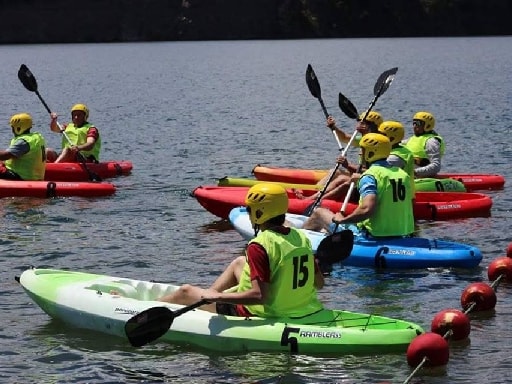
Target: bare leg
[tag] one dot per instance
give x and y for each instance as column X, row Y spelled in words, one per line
column 320, row 219
column 338, row 188
column 67, row 156
column 186, row 295
column 337, row 174
column 231, row 275
column 51, row 155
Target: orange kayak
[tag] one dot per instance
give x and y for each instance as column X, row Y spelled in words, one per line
column 472, row 181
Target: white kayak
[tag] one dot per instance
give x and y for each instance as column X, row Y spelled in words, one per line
column 113, row 305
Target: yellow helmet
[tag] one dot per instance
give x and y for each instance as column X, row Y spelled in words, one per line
column 376, row 146
column 428, row 120
column 393, row 130
column 81, row 107
column 373, row 117
column 265, row 201
column 20, row 123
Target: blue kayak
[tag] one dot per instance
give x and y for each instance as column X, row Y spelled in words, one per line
column 389, row 252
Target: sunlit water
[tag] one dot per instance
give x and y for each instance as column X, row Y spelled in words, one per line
column 189, row 113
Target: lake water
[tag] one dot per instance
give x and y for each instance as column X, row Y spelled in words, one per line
column 187, row 113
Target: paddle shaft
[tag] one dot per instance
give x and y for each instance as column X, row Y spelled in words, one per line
column 385, row 82
column 316, row 91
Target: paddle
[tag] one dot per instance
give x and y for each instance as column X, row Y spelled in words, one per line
column 350, row 110
column 382, row 84
column 314, row 88
column 154, row 322
column 334, row 249
column 29, row 82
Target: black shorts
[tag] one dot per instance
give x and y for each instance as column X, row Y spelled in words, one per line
column 7, row 174
column 226, row 309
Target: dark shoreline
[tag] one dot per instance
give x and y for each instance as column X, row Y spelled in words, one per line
column 95, row 21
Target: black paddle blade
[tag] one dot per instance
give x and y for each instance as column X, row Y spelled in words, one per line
column 27, row 78
column 312, row 82
column 148, row 325
column 384, row 81
column 334, row 249
column 347, row 107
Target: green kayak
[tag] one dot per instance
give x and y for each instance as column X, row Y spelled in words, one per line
column 106, row 303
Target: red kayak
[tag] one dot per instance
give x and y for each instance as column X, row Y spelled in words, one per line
column 472, row 181
column 427, row 205
column 78, row 172
column 45, row 189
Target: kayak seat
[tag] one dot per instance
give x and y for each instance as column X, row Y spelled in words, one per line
column 152, row 291
column 120, row 288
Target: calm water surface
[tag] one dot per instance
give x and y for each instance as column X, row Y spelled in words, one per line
column 189, row 113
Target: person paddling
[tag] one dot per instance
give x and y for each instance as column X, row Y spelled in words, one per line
column 25, row 158
column 339, row 185
column 278, row 276
column 385, row 207
column 81, row 140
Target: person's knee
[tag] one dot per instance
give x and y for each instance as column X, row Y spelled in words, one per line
column 51, row 155
column 185, row 290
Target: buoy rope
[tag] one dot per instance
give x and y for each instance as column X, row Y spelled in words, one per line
column 448, row 333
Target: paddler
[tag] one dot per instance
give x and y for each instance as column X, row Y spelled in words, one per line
column 277, row 277
column 80, row 139
column 426, row 145
column 385, row 204
column 338, row 187
column 25, row 157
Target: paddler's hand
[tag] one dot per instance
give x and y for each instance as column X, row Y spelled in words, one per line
column 331, row 123
column 342, row 160
column 210, row 295
column 54, row 116
column 338, row 218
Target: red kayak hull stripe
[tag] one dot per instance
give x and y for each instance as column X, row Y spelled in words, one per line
column 45, row 189
column 78, row 172
column 427, row 205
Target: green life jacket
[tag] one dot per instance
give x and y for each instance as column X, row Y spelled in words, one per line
column 406, row 155
column 78, row 136
column 31, row 165
column 416, row 144
column 394, row 212
column 292, row 275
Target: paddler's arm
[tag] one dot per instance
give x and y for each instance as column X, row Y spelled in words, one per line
column 342, row 136
column 54, row 126
column 319, row 277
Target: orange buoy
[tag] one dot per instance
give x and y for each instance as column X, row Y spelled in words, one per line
column 431, row 346
column 454, row 320
column 500, row 266
column 478, row 296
